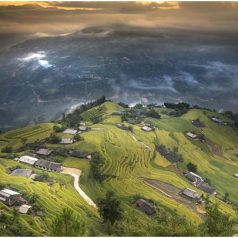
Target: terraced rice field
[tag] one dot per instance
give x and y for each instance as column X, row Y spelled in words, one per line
column 130, row 158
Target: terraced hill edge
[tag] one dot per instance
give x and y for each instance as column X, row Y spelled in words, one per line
column 133, row 167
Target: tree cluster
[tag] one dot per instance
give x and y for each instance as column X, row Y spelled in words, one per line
column 96, row 164
column 54, row 139
column 192, row 167
column 73, row 119
column 68, row 224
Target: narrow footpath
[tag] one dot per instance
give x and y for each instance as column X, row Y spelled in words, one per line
column 75, row 173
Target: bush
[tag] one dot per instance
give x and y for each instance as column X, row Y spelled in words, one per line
column 192, row 167
column 54, row 139
column 42, row 177
column 58, row 128
column 7, row 149
column 153, row 113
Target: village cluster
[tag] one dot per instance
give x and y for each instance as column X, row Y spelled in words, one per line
column 70, row 131
column 11, row 197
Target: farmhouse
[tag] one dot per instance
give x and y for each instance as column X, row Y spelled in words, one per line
column 22, row 172
column 9, row 197
column 196, row 179
column 48, row 165
column 123, row 127
column 70, row 131
column 79, row 154
column 43, row 151
column 197, row 123
column 28, row 160
column 83, row 128
column 24, row 209
column 191, row 194
column 145, row 206
column 217, row 120
column 146, row 128
column 169, row 155
column 207, row 188
column 66, row 141
column 191, row 135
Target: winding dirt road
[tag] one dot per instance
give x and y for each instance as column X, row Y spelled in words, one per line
column 75, row 173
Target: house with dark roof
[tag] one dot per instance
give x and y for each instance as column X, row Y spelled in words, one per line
column 9, row 197
column 22, row 172
column 145, row 206
column 48, row 165
column 187, row 192
column 123, row 127
column 43, row 151
column 197, row 123
column 171, row 156
column 207, row 188
column 79, row 154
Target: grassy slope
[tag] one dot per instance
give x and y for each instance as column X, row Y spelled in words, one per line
column 128, row 161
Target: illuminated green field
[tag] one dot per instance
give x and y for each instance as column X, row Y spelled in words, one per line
column 130, row 158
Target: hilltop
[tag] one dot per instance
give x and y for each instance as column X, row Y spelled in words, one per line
column 145, row 152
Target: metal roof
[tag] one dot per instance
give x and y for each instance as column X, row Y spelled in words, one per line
column 192, row 135
column 28, row 159
column 191, row 193
column 8, row 192
column 24, row 209
column 70, row 131
column 66, row 141
column 48, row 164
column 43, row 151
column 22, row 172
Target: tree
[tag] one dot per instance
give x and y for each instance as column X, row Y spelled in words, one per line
column 68, row 224
column 110, row 210
column 97, row 162
column 216, row 223
column 192, row 167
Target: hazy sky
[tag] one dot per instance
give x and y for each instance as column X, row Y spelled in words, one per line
column 42, row 18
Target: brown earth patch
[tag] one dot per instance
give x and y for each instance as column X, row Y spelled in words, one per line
column 173, row 192
column 215, row 148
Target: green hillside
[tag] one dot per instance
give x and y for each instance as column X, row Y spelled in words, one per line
column 132, row 167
